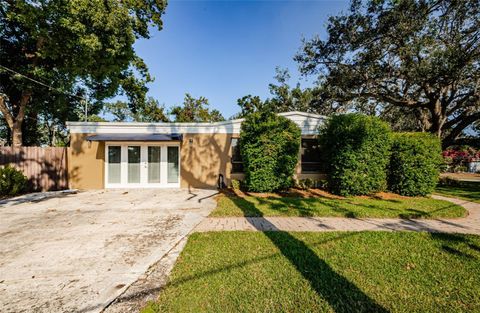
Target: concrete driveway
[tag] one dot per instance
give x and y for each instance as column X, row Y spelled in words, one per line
column 78, row 252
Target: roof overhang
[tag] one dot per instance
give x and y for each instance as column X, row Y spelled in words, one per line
column 135, row 137
column 308, row 123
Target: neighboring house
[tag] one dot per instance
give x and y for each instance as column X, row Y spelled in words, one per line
column 149, row 155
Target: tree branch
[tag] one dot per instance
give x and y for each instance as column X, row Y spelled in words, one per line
column 5, row 112
column 462, row 124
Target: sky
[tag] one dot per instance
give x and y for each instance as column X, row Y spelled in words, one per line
column 224, row 50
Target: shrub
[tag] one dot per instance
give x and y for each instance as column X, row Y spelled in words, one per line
column 269, row 145
column 12, row 181
column 235, row 184
column 357, row 151
column 414, row 164
column 309, row 183
column 305, row 184
column 456, row 158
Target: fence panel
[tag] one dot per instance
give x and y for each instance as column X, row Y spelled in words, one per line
column 45, row 168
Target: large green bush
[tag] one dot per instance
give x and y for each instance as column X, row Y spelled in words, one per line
column 12, row 181
column 357, row 150
column 414, row 164
column 269, row 145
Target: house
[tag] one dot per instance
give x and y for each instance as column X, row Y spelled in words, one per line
column 146, row 155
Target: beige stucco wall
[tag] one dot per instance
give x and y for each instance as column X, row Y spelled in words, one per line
column 85, row 163
column 202, row 158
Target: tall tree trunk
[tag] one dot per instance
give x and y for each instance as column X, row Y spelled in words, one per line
column 15, row 123
column 437, row 118
column 17, row 138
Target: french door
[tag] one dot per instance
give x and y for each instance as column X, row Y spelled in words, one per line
column 139, row 165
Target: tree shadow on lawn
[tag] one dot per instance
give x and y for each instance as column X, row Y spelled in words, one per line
column 457, row 245
column 301, row 206
column 341, row 294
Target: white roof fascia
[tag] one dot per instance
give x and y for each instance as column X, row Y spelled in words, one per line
column 307, row 122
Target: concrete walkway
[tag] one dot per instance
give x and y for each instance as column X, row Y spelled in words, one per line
column 467, row 225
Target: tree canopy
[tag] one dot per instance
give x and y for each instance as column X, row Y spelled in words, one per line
column 420, row 56
column 77, row 49
column 150, row 111
column 195, row 110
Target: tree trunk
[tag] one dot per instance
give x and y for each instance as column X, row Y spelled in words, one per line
column 437, row 118
column 15, row 123
column 17, row 138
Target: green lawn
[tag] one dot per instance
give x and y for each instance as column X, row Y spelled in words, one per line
column 230, row 205
column 467, row 190
column 324, row 272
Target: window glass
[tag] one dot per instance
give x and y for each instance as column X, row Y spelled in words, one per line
column 237, row 163
column 172, row 159
column 311, row 156
column 114, row 164
column 154, row 155
column 133, row 164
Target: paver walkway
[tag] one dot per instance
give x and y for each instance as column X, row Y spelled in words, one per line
column 468, row 225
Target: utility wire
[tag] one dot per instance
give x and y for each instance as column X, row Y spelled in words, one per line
column 49, row 87
column 41, row 83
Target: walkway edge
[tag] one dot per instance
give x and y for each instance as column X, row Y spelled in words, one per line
column 467, row 225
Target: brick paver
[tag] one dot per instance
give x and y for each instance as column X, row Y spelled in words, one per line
column 468, row 225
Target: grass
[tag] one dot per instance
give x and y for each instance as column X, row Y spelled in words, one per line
column 324, row 272
column 403, row 207
column 469, row 191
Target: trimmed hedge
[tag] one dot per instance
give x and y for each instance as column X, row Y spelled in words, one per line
column 12, row 181
column 357, row 151
column 414, row 164
column 269, row 145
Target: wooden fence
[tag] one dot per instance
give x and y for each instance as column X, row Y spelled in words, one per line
column 45, row 168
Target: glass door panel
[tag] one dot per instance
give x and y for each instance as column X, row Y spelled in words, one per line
column 172, row 165
column 133, row 164
column 154, row 157
column 114, row 164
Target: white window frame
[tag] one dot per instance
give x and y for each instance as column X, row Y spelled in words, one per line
column 143, row 165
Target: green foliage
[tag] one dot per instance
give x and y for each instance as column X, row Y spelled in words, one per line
column 357, row 149
column 12, row 181
column 80, row 48
column 305, row 184
column 309, row 183
column 236, row 184
column 196, row 110
column 414, row 164
column 269, row 146
column 150, row 111
column 416, row 61
column 284, row 98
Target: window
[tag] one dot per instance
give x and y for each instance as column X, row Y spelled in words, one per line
column 114, row 164
column 311, row 158
column 237, row 163
column 172, row 170
column 154, row 159
column 133, row 164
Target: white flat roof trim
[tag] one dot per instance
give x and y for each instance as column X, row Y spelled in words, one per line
column 307, row 122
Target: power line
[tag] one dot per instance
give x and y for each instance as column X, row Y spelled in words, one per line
column 41, row 83
column 49, row 87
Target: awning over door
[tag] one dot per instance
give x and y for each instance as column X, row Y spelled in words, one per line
column 135, row 137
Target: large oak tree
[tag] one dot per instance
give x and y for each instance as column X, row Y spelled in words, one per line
column 422, row 56
column 79, row 48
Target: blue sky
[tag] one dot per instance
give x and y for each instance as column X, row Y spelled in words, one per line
column 224, row 50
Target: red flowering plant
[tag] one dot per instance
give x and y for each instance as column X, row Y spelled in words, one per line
column 457, row 158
